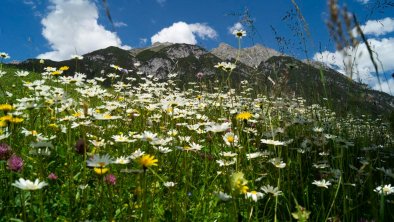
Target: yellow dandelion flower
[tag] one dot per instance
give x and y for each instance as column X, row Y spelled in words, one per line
column 6, row 118
column 56, row 73
column 53, row 126
column 147, row 160
column 244, row 116
column 100, row 170
column 3, row 124
column 64, row 68
column 16, row 120
column 6, row 107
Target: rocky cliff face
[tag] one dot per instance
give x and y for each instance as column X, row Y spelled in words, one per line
column 252, row 56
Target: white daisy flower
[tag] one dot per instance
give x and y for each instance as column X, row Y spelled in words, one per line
column 322, row 183
column 29, row 185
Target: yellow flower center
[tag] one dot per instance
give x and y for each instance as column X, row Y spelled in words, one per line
column 107, row 116
column 78, row 114
column 100, row 170
column 33, row 133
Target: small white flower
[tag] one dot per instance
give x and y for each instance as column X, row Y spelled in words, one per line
column 226, row 162
column 322, row 183
column 223, row 196
column 99, row 161
column 273, row 142
column 254, row 195
column 194, row 147
column 172, row 132
column 230, row 139
column 317, row 129
column 77, row 57
column 271, row 190
column 21, row 73
column 277, row 162
column 321, row 165
column 122, row 160
column 162, row 149
column 2, row 73
column 385, row 190
column 169, row 184
column 148, row 136
column 121, row 138
column 218, row 127
column 254, row 155
column 239, row 33
column 4, row 136
column 4, row 55
column 29, row 185
column 228, row 154
column 138, row 153
column 105, row 116
column 82, row 187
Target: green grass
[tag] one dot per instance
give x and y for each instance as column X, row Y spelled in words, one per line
column 353, row 154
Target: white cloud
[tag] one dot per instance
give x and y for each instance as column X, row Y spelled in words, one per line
column 181, row 32
column 378, row 27
column 120, row 24
column 71, row 28
column 236, row 26
column 161, row 2
column 30, row 3
column 143, row 41
column 363, row 68
column 363, row 1
column 33, row 4
column 385, row 86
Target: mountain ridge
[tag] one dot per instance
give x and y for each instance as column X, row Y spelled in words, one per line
column 269, row 72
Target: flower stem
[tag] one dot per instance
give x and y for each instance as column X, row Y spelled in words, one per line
column 276, row 200
column 23, row 205
column 144, row 204
column 381, row 209
column 335, row 197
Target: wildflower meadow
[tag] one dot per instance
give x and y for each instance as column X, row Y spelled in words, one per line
column 72, row 149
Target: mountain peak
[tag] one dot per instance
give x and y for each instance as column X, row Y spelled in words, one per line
column 251, row 56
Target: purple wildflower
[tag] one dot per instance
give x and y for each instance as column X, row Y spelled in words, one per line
column 15, row 163
column 52, row 176
column 200, row 75
column 5, row 151
column 110, row 179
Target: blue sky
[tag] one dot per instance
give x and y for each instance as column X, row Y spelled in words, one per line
column 56, row 29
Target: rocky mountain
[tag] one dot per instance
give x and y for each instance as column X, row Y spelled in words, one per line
column 251, row 56
column 266, row 70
